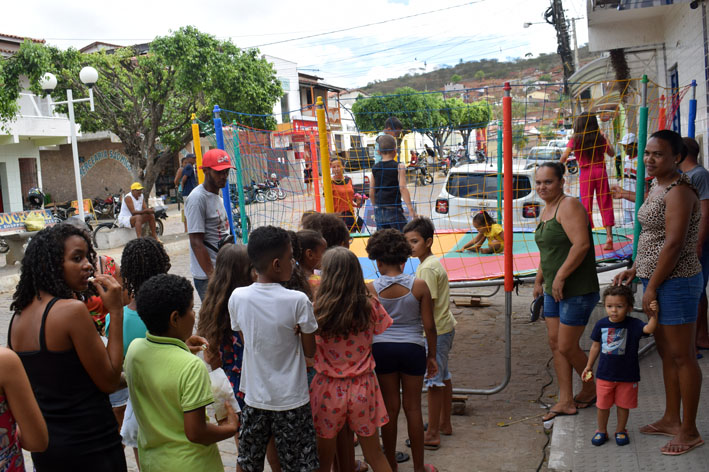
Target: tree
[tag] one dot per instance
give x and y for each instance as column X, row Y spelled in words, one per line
column 519, row 138
column 455, row 78
column 469, row 117
column 479, row 75
column 147, row 100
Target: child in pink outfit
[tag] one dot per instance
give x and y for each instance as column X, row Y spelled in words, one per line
column 590, row 148
column 345, row 388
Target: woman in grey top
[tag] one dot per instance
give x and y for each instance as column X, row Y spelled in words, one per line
column 400, row 351
column 669, row 269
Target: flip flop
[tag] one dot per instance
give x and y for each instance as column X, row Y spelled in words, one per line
column 622, row 438
column 558, row 413
column 361, row 466
column 401, row 457
column 429, row 447
column 689, row 447
column 585, row 404
column 430, row 468
column 652, row 430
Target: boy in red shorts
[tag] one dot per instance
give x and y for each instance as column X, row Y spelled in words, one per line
column 617, row 339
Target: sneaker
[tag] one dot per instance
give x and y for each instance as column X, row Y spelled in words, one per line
column 599, row 439
column 622, row 438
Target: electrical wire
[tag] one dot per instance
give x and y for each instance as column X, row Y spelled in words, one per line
column 372, row 24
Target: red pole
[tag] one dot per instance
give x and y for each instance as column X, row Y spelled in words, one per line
column 316, row 175
column 507, row 185
column 662, row 116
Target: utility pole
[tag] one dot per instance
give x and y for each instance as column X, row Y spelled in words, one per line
column 555, row 16
column 577, row 64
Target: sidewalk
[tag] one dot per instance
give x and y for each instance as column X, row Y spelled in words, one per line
column 571, row 448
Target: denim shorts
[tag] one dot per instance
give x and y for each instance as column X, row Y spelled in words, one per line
column 704, row 260
column 389, row 217
column 444, row 343
column 678, row 299
column 119, row 397
column 572, row 311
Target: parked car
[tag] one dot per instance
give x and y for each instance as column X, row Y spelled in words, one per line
column 471, row 188
column 572, row 166
column 539, row 154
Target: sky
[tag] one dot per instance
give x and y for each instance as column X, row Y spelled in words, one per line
column 402, row 36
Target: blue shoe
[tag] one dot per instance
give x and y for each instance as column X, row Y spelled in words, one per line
column 622, row 438
column 599, row 439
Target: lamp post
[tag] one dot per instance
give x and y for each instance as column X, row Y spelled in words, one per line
column 48, row 82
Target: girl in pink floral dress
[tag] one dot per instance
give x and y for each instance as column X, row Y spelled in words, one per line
column 345, row 389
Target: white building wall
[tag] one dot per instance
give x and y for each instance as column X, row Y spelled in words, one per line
column 10, row 165
column 287, row 73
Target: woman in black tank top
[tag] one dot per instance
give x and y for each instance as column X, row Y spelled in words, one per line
column 70, row 370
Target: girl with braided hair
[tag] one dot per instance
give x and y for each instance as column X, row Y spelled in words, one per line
column 70, row 370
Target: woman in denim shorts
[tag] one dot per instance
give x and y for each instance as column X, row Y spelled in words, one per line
column 668, row 266
column 567, row 278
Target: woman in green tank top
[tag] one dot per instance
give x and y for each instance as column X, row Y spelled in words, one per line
column 567, row 278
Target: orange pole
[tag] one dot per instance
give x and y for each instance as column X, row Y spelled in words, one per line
column 662, row 116
column 316, row 174
column 507, row 185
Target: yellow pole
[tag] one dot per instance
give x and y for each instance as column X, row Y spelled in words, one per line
column 406, row 152
column 324, row 157
column 197, row 149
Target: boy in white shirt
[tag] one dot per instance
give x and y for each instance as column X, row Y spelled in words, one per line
column 278, row 329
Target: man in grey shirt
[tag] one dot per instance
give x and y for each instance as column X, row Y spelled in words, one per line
column 207, row 222
column 699, row 177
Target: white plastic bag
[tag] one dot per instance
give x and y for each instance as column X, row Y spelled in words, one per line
column 222, row 391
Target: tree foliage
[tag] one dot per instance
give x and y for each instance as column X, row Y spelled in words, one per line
column 427, row 113
column 147, row 100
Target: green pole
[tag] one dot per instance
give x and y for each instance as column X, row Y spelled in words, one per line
column 640, row 176
column 240, row 187
column 499, row 171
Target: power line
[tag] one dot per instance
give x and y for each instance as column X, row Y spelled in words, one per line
column 370, row 24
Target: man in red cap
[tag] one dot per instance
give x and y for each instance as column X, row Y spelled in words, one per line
column 207, row 222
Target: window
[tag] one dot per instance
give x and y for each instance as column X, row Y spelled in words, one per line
column 484, row 186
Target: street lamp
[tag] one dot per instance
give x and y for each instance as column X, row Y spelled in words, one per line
column 48, row 82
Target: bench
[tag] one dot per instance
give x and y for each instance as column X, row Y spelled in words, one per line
column 13, row 232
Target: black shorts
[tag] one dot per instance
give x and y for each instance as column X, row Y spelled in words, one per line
column 108, row 460
column 403, row 358
column 294, row 434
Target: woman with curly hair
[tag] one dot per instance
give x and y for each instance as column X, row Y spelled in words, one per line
column 70, row 369
column 142, row 258
column 400, row 351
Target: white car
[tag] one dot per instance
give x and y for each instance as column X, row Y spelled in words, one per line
column 471, row 188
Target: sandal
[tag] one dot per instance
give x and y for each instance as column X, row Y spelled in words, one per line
column 599, row 439
column 430, row 468
column 622, row 438
column 361, row 466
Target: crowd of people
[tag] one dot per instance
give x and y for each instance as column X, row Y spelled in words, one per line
column 314, row 356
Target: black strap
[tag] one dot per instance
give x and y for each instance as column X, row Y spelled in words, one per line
column 42, row 341
column 9, row 332
column 210, row 246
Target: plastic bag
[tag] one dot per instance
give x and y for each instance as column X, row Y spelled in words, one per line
column 34, row 222
column 222, row 391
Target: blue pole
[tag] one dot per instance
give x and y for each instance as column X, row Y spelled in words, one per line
column 692, row 111
column 219, row 135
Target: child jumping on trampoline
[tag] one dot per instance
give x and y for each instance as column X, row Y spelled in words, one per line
column 488, row 229
column 419, row 233
column 617, row 338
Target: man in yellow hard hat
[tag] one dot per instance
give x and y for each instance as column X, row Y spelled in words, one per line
column 135, row 212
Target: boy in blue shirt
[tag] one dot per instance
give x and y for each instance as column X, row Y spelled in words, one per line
column 617, row 339
column 388, row 187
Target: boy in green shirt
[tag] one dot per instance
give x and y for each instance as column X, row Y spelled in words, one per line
column 419, row 233
column 169, row 386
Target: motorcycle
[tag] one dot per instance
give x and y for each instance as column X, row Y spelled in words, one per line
column 262, row 192
column 422, row 175
column 274, row 184
column 106, row 208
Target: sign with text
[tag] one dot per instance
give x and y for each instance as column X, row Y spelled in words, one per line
column 16, row 221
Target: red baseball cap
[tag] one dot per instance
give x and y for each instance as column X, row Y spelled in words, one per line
column 216, row 159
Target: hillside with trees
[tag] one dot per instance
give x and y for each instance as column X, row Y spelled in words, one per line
column 545, row 67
